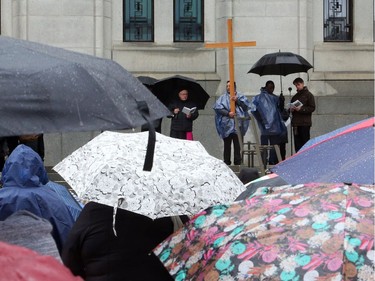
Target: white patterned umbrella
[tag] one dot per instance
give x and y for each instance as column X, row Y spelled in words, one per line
column 184, row 179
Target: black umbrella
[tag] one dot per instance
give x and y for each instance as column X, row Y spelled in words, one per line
column 167, row 90
column 147, row 80
column 46, row 89
column 280, row 63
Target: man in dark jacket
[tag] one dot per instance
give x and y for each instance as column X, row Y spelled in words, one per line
column 182, row 119
column 301, row 119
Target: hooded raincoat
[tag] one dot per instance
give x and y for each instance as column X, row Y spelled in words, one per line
column 265, row 108
column 224, row 124
column 24, row 179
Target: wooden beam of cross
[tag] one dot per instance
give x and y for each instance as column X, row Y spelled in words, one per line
column 230, row 45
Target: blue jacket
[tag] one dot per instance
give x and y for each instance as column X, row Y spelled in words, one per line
column 24, row 178
column 265, row 108
column 224, row 124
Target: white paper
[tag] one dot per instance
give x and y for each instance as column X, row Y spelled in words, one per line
column 188, row 110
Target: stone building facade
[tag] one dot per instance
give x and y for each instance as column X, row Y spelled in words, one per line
column 342, row 78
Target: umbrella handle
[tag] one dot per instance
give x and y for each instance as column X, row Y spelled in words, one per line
column 149, row 158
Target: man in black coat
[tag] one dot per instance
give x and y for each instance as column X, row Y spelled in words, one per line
column 182, row 119
column 94, row 252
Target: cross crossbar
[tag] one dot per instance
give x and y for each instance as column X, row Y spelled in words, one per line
column 230, row 45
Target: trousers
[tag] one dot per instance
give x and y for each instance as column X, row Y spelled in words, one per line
column 301, row 136
column 237, row 159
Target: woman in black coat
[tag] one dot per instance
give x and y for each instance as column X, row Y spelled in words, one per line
column 96, row 254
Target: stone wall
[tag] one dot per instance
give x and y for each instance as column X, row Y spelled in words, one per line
column 342, row 79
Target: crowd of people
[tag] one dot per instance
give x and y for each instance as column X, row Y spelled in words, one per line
column 232, row 124
column 35, row 216
column 8, row 144
column 271, row 114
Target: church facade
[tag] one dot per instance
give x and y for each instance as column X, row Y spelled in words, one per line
column 160, row 38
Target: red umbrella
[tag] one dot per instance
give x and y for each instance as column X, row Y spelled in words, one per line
column 22, row 264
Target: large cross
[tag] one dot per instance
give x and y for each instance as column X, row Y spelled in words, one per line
column 230, row 45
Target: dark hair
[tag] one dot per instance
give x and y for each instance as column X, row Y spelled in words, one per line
column 233, row 83
column 298, row 80
column 247, row 175
column 270, row 82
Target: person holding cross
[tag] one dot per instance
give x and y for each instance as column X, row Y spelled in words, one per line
column 225, row 122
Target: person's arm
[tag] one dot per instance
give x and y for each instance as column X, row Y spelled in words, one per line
column 242, row 104
column 309, row 106
column 175, row 110
column 222, row 111
column 194, row 115
column 281, row 103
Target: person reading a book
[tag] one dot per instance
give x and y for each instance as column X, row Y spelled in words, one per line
column 301, row 115
column 184, row 112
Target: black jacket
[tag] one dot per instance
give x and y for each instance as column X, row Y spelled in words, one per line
column 179, row 121
column 95, row 253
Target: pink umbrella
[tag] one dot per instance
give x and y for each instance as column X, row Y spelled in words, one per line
column 22, row 264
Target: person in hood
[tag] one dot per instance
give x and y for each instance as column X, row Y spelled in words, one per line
column 225, row 124
column 28, row 230
column 270, row 122
column 24, row 180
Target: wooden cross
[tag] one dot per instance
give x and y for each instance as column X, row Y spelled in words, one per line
column 230, row 45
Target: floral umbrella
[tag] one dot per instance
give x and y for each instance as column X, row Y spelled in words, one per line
column 301, row 232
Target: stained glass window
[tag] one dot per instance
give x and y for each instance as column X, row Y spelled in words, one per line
column 138, row 20
column 188, row 21
column 338, row 20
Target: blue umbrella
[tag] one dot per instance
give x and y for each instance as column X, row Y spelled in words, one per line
column 346, row 157
column 353, row 126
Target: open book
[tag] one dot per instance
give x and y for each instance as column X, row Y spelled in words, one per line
column 188, row 111
column 296, row 103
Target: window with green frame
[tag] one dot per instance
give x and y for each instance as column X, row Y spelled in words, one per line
column 138, row 23
column 338, row 20
column 188, row 21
